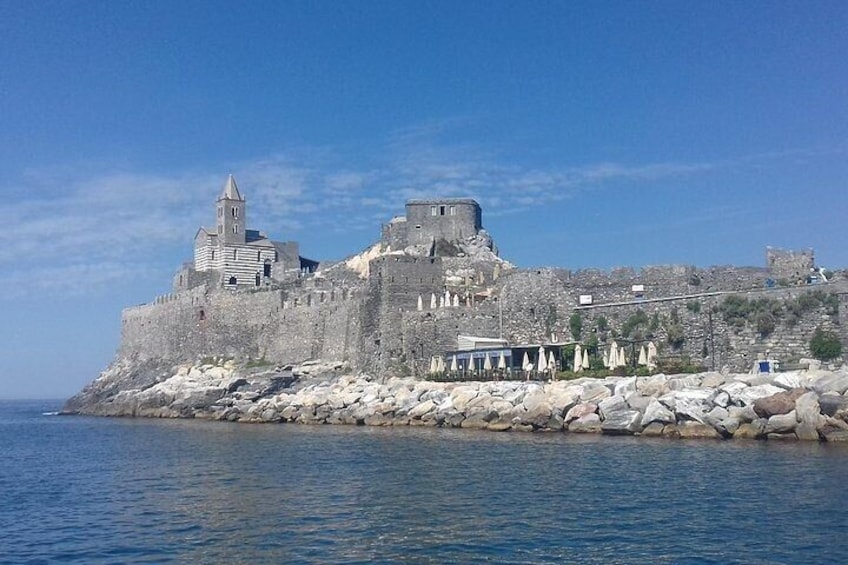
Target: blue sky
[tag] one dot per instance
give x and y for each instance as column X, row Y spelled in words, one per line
column 594, row 134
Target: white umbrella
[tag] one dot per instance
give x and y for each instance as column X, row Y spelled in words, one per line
column 643, row 356
column 456, row 301
column 434, row 366
column 606, row 358
column 578, row 359
column 454, row 367
column 487, row 364
column 525, row 363
column 652, row 355
column 502, row 361
column 612, row 361
column 432, row 301
column 622, row 358
column 552, row 362
column 585, row 364
column 420, row 303
column 542, row 363
column 468, row 301
column 441, row 302
column 447, row 298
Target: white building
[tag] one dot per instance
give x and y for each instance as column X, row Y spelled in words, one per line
column 243, row 257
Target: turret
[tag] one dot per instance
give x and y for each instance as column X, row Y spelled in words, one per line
column 231, row 214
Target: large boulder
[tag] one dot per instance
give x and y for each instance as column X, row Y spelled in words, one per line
column 751, row 430
column 580, row 410
column 608, row 406
column 807, row 409
column 830, row 403
column 831, row 382
column 590, row 423
column 779, row 403
column 622, row 422
column 782, row 423
column 697, row 430
column 750, row 394
column 656, row 412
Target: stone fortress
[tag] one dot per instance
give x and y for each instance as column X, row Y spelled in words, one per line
column 435, row 274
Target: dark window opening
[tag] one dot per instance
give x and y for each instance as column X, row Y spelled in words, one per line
column 441, row 210
column 266, row 269
column 233, row 280
column 201, row 315
column 258, row 279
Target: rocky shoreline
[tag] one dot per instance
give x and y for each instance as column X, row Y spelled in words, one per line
column 809, row 405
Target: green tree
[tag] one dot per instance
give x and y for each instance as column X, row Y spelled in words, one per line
column 575, row 324
column 825, row 345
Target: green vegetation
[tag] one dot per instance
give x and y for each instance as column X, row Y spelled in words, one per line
column 763, row 314
column 602, row 324
column 693, row 306
column 825, row 345
column 575, row 324
column 261, row 362
column 632, row 326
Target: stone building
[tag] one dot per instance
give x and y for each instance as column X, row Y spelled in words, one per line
column 428, row 222
column 235, row 256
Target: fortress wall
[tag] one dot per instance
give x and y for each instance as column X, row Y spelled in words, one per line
column 255, row 324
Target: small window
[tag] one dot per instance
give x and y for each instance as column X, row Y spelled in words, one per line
column 235, row 228
column 202, row 315
column 233, row 280
column 258, row 255
column 441, row 210
column 235, row 212
column 213, row 254
column 453, row 210
column 418, row 227
column 235, row 254
column 433, row 210
column 220, row 211
column 220, row 229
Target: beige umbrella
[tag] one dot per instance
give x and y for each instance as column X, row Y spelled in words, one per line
column 577, row 364
column 525, row 363
column 456, row 301
column 434, row 366
column 502, row 361
column 552, row 364
column 447, row 298
column 432, row 301
column 612, row 360
column 652, row 355
column 454, row 367
column 487, row 363
column 420, row 303
column 585, row 364
column 468, row 301
column 643, row 356
column 542, row 364
column 622, row 358
column 606, row 358
column 441, row 302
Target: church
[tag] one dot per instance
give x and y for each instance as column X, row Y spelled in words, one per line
column 236, row 256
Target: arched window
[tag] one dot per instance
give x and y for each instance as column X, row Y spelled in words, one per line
column 233, row 281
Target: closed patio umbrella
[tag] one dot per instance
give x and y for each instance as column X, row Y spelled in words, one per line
column 643, row 356
column 585, row 363
column 487, row 363
column 542, row 363
column 454, row 367
column 420, row 303
column 577, row 363
column 502, row 361
column 456, row 301
column 432, row 301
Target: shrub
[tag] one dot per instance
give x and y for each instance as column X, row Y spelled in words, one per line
column 693, row 306
column 765, row 323
column 635, row 321
column 675, row 335
column 602, row 324
column 825, row 345
column 575, row 324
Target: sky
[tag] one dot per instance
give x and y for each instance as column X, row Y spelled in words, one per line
column 593, row 134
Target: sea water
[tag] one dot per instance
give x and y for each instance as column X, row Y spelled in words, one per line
column 99, row 490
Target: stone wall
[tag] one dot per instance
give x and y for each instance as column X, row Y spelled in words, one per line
column 791, row 266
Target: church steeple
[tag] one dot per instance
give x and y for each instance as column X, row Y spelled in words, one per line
column 231, row 220
column 231, row 191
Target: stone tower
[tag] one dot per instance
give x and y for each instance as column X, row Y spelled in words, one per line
column 231, row 214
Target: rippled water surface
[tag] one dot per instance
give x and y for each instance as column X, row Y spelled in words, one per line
column 91, row 490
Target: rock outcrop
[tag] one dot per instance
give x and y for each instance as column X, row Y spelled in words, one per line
column 807, row 405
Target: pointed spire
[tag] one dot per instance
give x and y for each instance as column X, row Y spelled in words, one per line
column 231, row 191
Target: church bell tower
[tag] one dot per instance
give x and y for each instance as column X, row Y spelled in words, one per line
column 231, row 219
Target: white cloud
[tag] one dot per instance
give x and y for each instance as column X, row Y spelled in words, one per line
column 98, row 226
